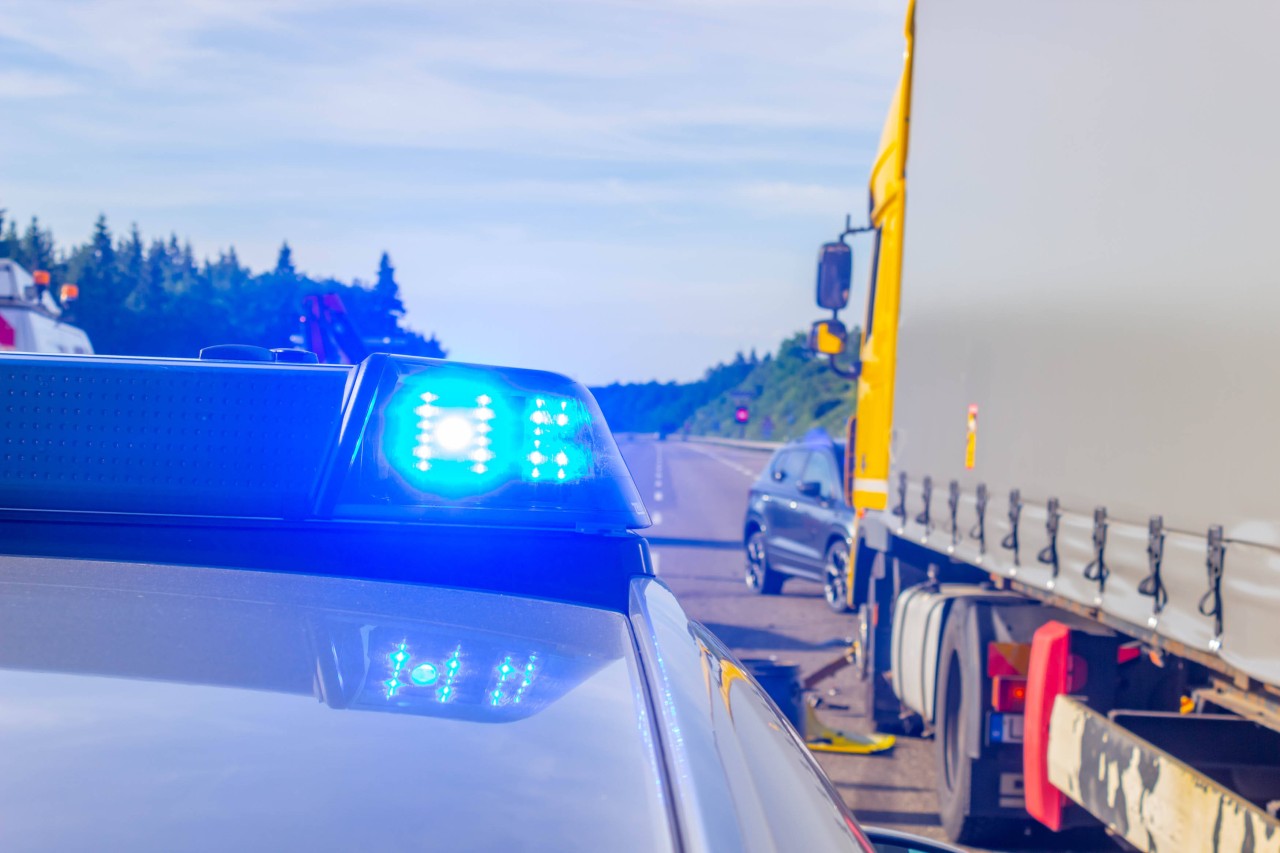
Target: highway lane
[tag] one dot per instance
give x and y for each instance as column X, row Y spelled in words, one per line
column 696, row 494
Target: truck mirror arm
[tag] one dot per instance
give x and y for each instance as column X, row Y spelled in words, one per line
column 853, row 371
column 849, row 230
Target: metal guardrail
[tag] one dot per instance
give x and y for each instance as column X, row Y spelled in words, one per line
column 742, row 444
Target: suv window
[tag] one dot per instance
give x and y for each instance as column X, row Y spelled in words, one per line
column 821, row 468
column 788, row 465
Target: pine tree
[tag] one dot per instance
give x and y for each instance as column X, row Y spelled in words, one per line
column 388, row 309
column 10, row 242
column 285, row 269
column 131, row 265
column 101, row 309
column 35, row 251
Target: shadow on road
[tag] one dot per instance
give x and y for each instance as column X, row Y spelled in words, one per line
column 744, row 637
column 713, row 544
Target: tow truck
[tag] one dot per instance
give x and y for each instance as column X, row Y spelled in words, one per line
column 1067, row 557
column 30, row 319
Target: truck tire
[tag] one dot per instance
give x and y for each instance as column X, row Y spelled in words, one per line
column 760, row 578
column 959, row 710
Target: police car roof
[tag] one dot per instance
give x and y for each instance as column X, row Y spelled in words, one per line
column 198, row 708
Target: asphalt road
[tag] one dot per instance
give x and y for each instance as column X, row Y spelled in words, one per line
column 696, row 494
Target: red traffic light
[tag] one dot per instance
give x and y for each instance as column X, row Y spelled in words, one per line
column 742, row 415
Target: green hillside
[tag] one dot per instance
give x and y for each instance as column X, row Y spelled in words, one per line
column 666, row 406
column 787, row 394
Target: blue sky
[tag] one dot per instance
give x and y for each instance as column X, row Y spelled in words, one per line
column 612, row 189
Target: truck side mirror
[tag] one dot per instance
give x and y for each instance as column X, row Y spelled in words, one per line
column 828, row 337
column 835, row 269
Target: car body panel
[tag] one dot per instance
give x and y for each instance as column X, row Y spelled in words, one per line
column 228, row 709
column 743, row 779
column 784, row 521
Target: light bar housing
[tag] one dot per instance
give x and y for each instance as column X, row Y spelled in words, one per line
column 395, row 439
column 431, row 439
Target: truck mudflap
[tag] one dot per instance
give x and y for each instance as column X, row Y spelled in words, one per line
column 1154, row 801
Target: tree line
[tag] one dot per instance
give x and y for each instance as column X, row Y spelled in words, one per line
column 787, row 394
column 154, row 297
column 667, row 406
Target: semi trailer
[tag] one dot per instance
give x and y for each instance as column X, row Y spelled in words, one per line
column 1064, row 458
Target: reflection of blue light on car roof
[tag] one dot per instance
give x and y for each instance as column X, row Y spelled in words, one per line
column 460, row 673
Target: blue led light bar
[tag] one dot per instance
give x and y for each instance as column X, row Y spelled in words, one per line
column 472, row 444
column 146, row 436
column 396, row 439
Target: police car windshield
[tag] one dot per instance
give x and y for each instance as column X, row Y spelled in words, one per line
column 250, row 710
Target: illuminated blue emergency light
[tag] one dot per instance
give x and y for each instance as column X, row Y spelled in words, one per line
column 395, row 438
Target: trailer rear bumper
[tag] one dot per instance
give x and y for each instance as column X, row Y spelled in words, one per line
column 1144, row 794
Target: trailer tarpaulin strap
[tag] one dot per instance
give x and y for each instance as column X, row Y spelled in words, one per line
column 1096, row 570
column 1211, row 601
column 901, row 509
column 953, row 507
column 1015, row 514
column 926, row 492
column 979, row 530
column 1153, row 584
column 1049, row 554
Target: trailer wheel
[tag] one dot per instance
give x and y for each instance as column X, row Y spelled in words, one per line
column 959, row 699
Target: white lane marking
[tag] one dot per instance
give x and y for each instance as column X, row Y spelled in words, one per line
column 657, row 474
column 653, row 558
column 741, row 469
column 656, row 518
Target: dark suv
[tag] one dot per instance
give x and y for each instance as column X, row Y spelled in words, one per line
column 797, row 521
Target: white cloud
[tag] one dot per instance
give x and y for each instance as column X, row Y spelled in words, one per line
column 25, row 84
column 782, row 197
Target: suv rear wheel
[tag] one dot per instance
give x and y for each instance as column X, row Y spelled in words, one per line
column 760, row 578
column 835, row 577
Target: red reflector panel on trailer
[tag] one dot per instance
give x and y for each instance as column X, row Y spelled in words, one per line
column 1048, row 676
column 1009, row 659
